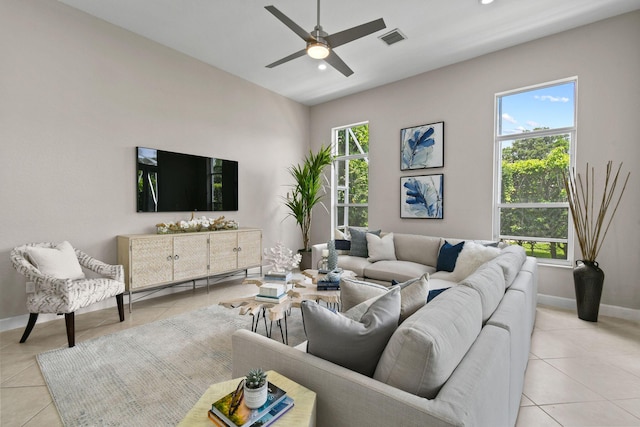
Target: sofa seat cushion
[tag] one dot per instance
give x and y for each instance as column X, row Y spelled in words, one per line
column 354, row 344
column 354, row 263
column 488, row 281
column 425, row 349
column 400, row 271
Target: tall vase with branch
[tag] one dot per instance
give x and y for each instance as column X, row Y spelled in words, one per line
column 591, row 220
column 308, row 190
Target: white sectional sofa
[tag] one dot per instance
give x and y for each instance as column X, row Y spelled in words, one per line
column 459, row 360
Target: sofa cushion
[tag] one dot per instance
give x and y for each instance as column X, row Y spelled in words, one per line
column 448, row 255
column 354, row 292
column 427, row 347
column 396, row 270
column 354, row 263
column 417, row 248
column 60, row 262
column 359, row 241
column 380, row 248
column 414, row 294
column 510, row 261
column 352, row 344
column 488, row 281
column 472, row 256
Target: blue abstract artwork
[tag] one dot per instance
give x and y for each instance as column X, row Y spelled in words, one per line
column 421, row 196
column 422, row 147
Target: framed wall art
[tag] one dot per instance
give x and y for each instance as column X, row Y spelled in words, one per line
column 422, row 147
column 421, row 196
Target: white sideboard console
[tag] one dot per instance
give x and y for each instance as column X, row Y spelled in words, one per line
column 153, row 260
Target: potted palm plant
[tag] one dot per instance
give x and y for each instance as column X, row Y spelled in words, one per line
column 591, row 228
column 306, row 194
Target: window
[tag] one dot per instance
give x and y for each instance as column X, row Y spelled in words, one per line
column 534, row 144
column 350, row 177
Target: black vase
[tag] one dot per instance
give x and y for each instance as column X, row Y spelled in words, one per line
column 588, row 279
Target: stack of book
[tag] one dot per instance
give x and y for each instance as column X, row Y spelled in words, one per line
column 278, row 277
column 272, row 292
column 230, row 411
column 328, row 285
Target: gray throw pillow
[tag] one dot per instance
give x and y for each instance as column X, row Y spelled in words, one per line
column 349, row 343
column 359, row 241
column 413, row 295
column 353, row 292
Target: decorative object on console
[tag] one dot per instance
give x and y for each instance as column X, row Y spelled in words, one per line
column 422, row 147
column 591, row 228
column 332, row 258
column 197, row 224
column 255, row 388
column 306, row 193
column 281, row 258
column 422, row 196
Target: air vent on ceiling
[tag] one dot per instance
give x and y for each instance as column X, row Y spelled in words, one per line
column 392, row 37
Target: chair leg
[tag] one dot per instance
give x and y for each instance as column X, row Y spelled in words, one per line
column 120, row 301
column 69, row 319
column 33, row 317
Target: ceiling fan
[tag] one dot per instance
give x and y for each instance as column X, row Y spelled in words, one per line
column 321, row 45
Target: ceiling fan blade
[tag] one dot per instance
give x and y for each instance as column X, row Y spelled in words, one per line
column 346, row 36
column 336, row 62
column 304, row 35
column 288, row 58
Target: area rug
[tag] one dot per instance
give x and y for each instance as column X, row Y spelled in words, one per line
column 147, row 375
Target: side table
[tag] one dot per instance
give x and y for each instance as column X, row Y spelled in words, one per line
column 303, row 413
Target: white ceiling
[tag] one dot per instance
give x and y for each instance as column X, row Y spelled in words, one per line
column 241, row 37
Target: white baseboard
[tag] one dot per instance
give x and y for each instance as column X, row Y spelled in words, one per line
column 605, row 310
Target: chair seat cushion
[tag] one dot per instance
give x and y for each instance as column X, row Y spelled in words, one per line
column 60, row 262
column 78, row 294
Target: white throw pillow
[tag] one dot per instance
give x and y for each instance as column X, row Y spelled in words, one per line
column 381, row 248
column 60, row 262
column 472, row 256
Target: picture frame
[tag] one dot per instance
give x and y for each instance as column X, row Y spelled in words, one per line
column 422, row 147
column 422, row 196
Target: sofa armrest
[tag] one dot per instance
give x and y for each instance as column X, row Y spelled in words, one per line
column 344, row 397
column 316, row 254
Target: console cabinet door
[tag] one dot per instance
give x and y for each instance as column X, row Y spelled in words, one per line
column 190, row 256
column 151, row 262
column 223, row 251
column 249, row 248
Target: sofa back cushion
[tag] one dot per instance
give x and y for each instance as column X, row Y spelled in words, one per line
column 417, row 248
column 510, row 261
column 427, row 347
column 488, row 281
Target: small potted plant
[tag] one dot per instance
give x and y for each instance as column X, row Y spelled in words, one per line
column 255, row 388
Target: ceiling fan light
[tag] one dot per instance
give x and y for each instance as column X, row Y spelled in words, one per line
column 317, row 50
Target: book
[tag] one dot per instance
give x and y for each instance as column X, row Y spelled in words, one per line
column 274, row 276
column 273, row 300
column 267, row 419
column 328, row 285
column 272, row 289
column 234, row 413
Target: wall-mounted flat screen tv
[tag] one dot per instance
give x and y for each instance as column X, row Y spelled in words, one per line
column 175, row 182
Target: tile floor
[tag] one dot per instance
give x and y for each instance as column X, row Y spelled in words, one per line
column 579, row 373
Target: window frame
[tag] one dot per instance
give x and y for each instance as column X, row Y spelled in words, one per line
column 498, row 139
column 334, row 177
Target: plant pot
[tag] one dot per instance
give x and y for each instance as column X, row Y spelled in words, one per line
column 588, row 280
column 305, row 262
column 255, row 397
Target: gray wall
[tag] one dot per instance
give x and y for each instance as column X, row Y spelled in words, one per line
column 77, row 95
column 606, row 58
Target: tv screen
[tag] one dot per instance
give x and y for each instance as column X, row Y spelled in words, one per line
column 175, row 182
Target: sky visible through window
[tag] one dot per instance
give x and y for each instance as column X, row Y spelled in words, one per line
column 549, row 107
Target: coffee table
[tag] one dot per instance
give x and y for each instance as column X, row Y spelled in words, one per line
column 302, row 414
column 303, row 287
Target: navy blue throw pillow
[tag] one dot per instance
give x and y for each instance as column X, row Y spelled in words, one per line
column 448, row 256
column 343, row 245
column 434, row 293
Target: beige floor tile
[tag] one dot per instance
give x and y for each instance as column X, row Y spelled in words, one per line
column 19, row 404
column 533, row 416
column 607, row 380
column 525, row 401
column 47, row 417
column 630, row 405
column 628, row 363
column 544, row 385
column 13, row 363
column 30, row 376
column 555, row 343
column 599, row 414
